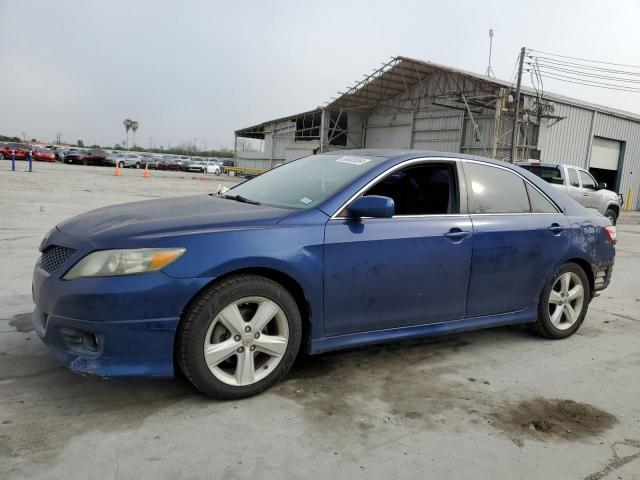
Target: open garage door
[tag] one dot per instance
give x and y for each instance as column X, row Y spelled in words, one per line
column 606, row 156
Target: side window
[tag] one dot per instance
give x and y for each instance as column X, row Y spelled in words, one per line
column 539, row 203
column 426, row 189
column 573, row 177
column 495, row 190
column 587, row 180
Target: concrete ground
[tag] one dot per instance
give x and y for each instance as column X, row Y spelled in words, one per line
column 498, row 403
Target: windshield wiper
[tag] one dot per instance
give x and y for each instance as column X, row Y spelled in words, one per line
column 240, row 198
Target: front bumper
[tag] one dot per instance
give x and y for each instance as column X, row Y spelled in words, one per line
column 109, row 349
column 110, row 326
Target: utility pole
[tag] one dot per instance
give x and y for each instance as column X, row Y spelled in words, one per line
column 514, row 131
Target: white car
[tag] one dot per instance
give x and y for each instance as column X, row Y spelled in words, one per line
column 205, row 166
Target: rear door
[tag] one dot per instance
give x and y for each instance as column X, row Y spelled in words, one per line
column 519, row 236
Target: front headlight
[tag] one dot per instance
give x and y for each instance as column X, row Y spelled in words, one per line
column 108, row 263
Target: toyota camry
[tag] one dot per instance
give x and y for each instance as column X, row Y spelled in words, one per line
column 327, row 252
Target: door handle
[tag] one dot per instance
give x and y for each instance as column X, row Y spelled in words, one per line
column 585, row 194
column 457, row 234
column 556, row 229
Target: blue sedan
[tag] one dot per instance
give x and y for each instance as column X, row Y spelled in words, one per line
column 328, row 252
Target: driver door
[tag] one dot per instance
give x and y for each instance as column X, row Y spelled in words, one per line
column 411, row 269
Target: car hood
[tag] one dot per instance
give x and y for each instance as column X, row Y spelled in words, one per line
column 119, row 224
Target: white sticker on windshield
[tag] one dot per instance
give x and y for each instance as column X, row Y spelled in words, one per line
column 305, row 200
column 353, row 160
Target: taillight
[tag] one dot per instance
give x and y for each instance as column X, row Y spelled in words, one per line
column 611, row 233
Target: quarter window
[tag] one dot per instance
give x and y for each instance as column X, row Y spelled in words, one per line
column 587, row 180
column 573, row 177
column 539, row 203
column 495, row 190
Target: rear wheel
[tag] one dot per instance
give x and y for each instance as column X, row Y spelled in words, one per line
column 612, row 215
column 121, row 165
column 137, row 164
column 240, row 337
column 563, row 303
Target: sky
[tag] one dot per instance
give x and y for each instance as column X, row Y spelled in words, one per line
column 202, row 69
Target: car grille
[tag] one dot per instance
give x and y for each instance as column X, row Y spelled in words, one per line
column 54, row 257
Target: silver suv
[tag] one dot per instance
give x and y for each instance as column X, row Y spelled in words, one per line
column 580, row 185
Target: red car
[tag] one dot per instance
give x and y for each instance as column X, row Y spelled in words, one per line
column 22, row 149
column 43, row 154
column 168, row 164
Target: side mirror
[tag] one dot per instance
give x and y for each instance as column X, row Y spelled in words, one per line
column 602, row 186
column 375, row 206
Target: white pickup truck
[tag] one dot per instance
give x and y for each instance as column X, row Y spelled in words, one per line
column 580, row 185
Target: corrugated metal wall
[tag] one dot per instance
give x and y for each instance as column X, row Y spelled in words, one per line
column 438, row 129
column 568, row 141
column 389, row 130
column 627, row 131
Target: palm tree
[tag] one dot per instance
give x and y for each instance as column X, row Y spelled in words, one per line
column 134, row 127
column 127, row 125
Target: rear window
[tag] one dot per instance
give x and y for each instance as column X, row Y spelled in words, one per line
column 548, row 174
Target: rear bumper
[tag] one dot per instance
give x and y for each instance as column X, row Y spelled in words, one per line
column 602, row 274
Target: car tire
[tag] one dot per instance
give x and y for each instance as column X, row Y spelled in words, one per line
column 120, row 164
column 1, row 156
column 226, row 315
column 563, row 303
column 612, row 215
column 138, row 165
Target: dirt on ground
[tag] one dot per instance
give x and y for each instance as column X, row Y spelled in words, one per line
column 542, row 418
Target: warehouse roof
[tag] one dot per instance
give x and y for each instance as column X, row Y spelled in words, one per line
column 401, row 73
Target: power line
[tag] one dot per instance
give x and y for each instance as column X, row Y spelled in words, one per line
column 588, row 74
column 589, row 83
column 584, row 59
column 580, row 65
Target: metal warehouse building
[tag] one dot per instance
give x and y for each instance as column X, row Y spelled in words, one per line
column 409, row 103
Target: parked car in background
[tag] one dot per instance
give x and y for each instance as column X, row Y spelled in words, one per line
column 43, row 154
column 76, row 156
column 327, row 252
column 204, row 166
column 21, row 150
column 61, row 153
column 580, row 185
column 167, row 164
column 124, row 159
column 149, row 161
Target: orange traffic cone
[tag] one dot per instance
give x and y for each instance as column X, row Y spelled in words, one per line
column 146, row 173
column 117, row 172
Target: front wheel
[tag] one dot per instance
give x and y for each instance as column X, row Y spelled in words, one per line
column 138, row 165
column 240, row 337
column 611, row 215
column 121, row 165
column 563, row 303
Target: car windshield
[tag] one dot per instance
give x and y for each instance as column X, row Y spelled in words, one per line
column 307, row 182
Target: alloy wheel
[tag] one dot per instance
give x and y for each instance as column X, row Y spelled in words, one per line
column 246, row 341
column 566, row 300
